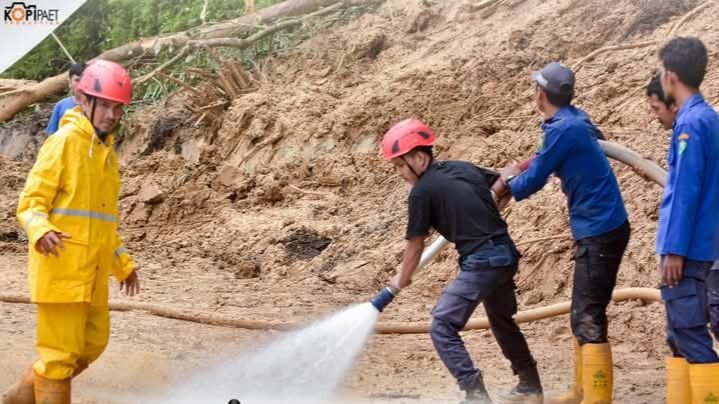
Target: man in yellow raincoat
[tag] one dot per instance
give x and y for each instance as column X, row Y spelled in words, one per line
column 69, row 209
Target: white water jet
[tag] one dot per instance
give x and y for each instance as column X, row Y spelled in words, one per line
column 308, row 365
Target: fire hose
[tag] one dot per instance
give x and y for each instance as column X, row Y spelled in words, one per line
column 612, row 150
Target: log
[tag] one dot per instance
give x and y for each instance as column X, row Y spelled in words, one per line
column 18, row 101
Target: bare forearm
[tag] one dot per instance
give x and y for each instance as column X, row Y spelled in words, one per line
column 410, row 261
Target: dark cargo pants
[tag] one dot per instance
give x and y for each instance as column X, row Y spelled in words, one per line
column 485, row 276
column 713, row 299
column 597, row 262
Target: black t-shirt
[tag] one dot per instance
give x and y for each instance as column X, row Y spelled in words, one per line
column 453, row 197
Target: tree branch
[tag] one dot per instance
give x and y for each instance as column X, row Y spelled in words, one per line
column 13, row 102
column 203, row 13
column 671, row 33
column 243, row 43
column 64, row 49
column 180, row 83
column 687, row 16
column 162, row 67
column 599, row 51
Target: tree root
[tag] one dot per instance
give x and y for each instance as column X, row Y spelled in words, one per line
column 671, row 33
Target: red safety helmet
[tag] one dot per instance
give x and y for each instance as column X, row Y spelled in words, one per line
column 107, row 80
column 405, row 136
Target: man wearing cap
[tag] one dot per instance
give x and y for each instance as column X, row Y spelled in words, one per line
column 598, row 222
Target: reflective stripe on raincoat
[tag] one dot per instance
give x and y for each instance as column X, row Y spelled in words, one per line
column 73, row 188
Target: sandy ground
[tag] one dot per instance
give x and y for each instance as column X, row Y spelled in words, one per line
column 146, row 352
column 281, row 209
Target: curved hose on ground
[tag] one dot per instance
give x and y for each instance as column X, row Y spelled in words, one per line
column 420, row 327
column 526, row 316
column 613, row 150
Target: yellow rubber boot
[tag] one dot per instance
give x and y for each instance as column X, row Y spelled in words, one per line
column 574, row 395
column 52, row 391
column 704, row 381
column 22, row 392
column 597, row 374
column 81, row 367
column 678, row 388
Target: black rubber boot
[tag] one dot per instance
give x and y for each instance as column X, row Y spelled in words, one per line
column 477, row 393
column 527, row 391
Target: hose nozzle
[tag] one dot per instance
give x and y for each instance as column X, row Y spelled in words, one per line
column 383, row 298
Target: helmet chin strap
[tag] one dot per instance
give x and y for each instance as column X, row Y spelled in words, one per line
column 411, row 168
column 100, row 133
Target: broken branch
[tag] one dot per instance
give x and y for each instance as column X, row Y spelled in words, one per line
column 687, row 16
column 599, row 51
column 64, row 49
column 203, row 13
column 180, row 83
column 242, row 43
column 163, row 66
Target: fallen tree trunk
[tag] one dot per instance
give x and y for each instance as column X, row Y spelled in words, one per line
column 18, row 101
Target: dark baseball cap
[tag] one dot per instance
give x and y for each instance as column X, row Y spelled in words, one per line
column 556, row 78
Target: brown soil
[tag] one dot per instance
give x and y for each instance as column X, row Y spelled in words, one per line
column 288, row 212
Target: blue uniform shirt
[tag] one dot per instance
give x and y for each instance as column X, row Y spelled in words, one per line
column 689, row 213
column 570, row 150
column 57, row 113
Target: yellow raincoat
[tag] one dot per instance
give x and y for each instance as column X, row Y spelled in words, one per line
column 73, row 188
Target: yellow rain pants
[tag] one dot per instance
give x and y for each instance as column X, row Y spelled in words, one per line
column 73, row 188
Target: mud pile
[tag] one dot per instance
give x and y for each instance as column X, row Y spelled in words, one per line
column 294, row 165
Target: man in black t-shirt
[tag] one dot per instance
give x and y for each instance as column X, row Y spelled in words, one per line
column 454, row 198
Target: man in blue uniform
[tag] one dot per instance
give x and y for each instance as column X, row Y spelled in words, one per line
column 665, row 109
column 688, row 232
column 68, row 102
column 454, row 198
column 598, row 221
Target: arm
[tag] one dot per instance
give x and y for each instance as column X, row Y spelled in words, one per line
column 546, row 161
column 40, row 190
column 52, row 124
column 418, row 225
column 412, row 254
column 683, row 203
column 122, row 264
column 500, row 187
column 125, row 269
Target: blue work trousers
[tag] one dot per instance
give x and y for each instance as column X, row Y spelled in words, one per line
column 686, row 307
column 485, row 276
